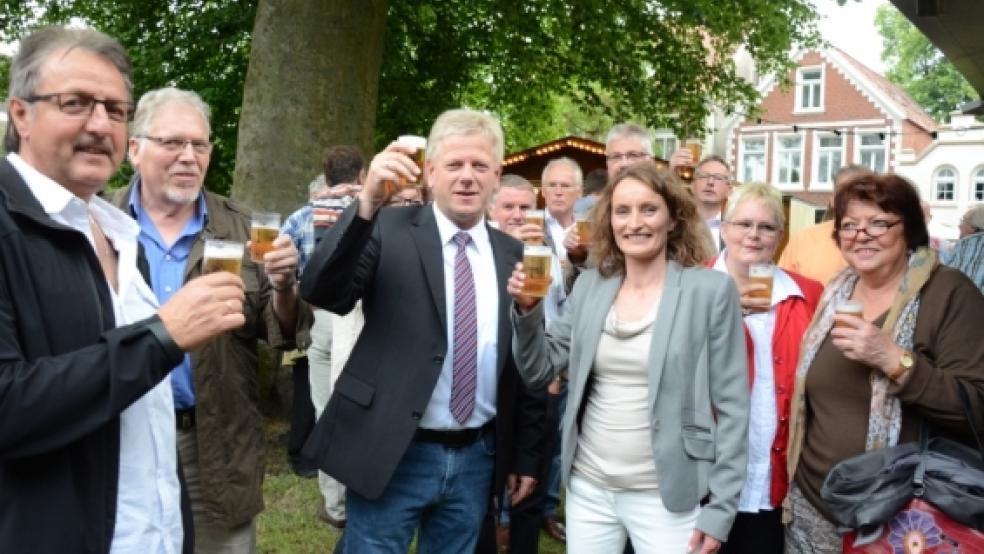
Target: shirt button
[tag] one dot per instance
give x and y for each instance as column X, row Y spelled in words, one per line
column 167, row 257
column 167, row 289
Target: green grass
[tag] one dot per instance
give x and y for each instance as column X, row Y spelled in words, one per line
column 289, row 524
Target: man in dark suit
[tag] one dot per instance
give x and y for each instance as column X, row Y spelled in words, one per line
column 426, row 419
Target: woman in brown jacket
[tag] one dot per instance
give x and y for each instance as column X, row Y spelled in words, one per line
column 869, row 382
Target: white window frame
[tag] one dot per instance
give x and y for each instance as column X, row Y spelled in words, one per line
column 663, row 138
column 740, row 173
column 797, row 97
column 816, row 183
column 936, row 185
column 859, row 149
column 977, row 179
column 777, row 162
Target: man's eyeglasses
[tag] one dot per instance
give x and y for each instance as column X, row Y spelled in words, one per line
column 712, row 177
column 874, row 229
column 80, row 104
column 745, row 227
column 175, row 144
column 627, row 156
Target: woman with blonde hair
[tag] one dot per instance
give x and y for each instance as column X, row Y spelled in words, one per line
column 658, row 401
column 775, row 320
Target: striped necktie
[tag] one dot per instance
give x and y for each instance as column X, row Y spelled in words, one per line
column 465, row 360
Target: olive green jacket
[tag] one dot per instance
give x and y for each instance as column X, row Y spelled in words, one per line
column 228, row 420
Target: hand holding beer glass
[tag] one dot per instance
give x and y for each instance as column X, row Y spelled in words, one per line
column 757, row 294
column 847, row 307
column 531, row 279
column 386, row 171
column 417, row 146
column 683, row 163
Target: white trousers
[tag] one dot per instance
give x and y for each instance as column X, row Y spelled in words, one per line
column 599, row 519
column 322, row 381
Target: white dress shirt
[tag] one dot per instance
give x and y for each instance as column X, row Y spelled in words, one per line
column 479, row 252
column 762, row 409
column 148, row 501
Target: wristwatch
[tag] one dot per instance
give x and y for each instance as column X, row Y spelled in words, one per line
column 905, row 364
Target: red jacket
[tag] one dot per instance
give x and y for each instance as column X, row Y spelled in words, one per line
column 793, row 317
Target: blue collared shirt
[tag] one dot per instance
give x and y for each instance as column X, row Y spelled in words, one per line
column 167, row 268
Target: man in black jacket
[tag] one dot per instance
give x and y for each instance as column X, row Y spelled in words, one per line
column 87, row 448
column 426, row 418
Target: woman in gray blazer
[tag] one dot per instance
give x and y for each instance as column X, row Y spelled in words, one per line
column 658, row 410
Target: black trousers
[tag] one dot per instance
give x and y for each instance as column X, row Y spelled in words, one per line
column 759, row 533
column 302, row 414
column 526, row 517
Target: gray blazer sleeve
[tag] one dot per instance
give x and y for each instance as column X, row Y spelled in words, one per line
column 541, row 355
column 728, row 388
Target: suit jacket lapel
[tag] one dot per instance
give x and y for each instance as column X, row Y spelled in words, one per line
column 424, row 232
column 662, row 329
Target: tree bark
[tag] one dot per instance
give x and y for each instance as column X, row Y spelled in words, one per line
column 312, row 83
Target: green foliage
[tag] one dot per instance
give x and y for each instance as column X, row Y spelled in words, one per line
column 201, row 45
column 551, row 67
column 547, row 68
column 4, row 75
column 919, row 67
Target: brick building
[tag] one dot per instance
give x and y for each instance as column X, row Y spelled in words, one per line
column 836, row 112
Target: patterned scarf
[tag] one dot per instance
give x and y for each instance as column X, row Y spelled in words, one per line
column 885, row 416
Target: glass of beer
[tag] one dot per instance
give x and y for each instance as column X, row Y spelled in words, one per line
column 536, row 217
column 419, row 146
column 686, row 172
column 583, row 230
column 761, row 274
column 263, row 229
column 223, row 255
column 850, row 307
column 537, row 260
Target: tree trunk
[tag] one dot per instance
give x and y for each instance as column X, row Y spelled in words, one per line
column 312, row 82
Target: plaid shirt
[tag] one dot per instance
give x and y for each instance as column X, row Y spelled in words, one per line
column 306, row 225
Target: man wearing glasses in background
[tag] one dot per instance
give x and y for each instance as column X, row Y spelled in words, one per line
column 87, row 448
column 220, row 431
column 711, row 187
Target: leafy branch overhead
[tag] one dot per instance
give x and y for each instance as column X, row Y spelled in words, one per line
column 546, row 67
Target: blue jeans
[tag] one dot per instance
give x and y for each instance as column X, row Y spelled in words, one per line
column 443, row 492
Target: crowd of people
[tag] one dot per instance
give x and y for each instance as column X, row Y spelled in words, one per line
column 671, row 389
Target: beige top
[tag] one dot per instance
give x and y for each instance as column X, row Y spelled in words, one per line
column 615, row 449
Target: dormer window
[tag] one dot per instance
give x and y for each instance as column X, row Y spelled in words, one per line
column 809, row 89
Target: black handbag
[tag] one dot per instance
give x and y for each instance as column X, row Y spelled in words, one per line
column 866, row 491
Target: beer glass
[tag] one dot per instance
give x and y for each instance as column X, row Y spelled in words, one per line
column 583, row 230
column 537, row 261
column 686, row 172
column 263, row 229
column 536, row 217
column 419, row 146
column 223, row 255
column 761, row 274
column 850, row 307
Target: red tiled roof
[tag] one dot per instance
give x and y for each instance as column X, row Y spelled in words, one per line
column 913, row 111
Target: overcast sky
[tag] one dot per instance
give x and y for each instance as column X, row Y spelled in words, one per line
column 851, row 28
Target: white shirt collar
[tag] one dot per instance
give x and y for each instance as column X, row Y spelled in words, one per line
column 447, row 229
column 53, row 197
